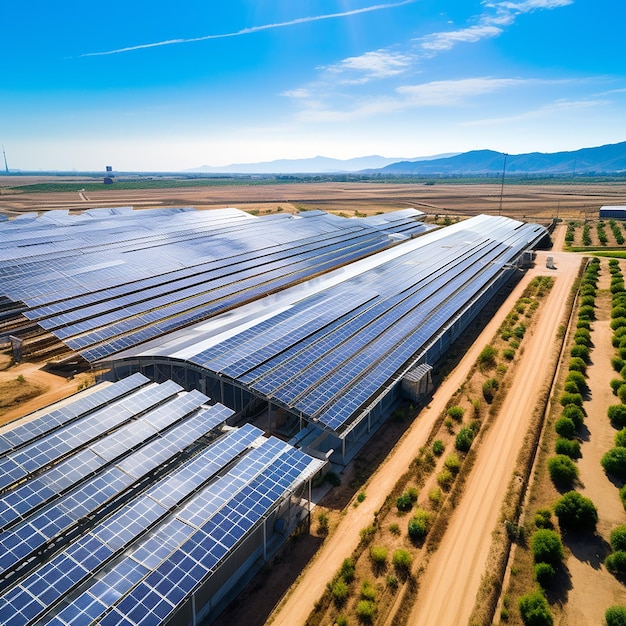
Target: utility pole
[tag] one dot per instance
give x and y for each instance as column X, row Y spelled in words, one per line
column 502, row 183
column 4, row 154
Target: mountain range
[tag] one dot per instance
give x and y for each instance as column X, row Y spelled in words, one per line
column 607, row 159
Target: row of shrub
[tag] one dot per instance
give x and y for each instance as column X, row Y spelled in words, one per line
column 614, row 460
column 617, row 232
column 562, row 467
column 573, row 510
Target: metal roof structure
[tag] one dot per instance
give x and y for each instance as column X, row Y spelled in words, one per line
column 126, row 522
column 327, row 349
column 109, row 279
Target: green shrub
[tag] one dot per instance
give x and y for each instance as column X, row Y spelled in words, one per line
column 588, row 300
column 341, row 620
column 615, row 384
column 563, row 471
column 571, row 398
column 614, row 463
column 392, row 581
column 456, row 413
column 487, row 357
column 570, row 387
column 438, row 447
column 453, row 463
column 535, row 610
column 368, row 591
column 378, row 554
column 340, row 591
column 508, row 354
column 586, row 313
column 620, row 438
column 579, row 379
column 565, row 427
column 576, row 512
column 434, row 495
column 420, row 524
column 617, row 364
column 490, row 386
column 618, row 538
column 445, row 479
column 583, row 324
column 621, row 393
column 544, row 574
column 394, row 529
column 404, row 502
column 402, row 560
column 576, row 364
column 615, row 616
column 617, row 415
column 581, row 352
column 366, row 610
column 547, row 547
column 464, row 438
column 543, row 519
column 569, row 447
column 519, row 331
column 347, row 570
column 575, row 413
column 618, row 311
column 618, row 322
column 616, row 563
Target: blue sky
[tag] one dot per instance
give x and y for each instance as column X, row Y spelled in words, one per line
column 153, row 85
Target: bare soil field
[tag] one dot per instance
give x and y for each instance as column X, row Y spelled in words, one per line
column 528, row 201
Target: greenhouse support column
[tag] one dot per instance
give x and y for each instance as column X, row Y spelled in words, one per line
column 264, row 539
column 193, row 609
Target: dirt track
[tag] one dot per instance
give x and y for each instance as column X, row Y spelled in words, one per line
column 448, row 590
column 486, row 496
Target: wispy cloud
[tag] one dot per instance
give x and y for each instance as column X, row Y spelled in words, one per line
column 253, row 29
column 371, row 65
column 439, row 94
column 489, row 24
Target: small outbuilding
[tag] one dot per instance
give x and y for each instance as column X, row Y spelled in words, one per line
column 613, row 212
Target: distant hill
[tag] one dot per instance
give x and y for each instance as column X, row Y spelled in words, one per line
column 602, row 160
column 315, row 165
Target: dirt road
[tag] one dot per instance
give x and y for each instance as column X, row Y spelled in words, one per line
column 310, row 587
column 448, row 589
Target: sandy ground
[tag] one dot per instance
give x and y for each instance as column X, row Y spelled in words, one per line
column 447, row 592
column 532, row 201
column 57, row 388
column 593, row 589
column 300, row 603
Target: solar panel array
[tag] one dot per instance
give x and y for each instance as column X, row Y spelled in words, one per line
column 125, row 526
column 330, row 354
column 105, row 281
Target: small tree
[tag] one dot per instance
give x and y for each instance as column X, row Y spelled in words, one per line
column 569, row 447
column 544, row 574
column 535, row 610
column 420, row 524
column 378, row 554
column 571, row 398
column 340, row 591
column 616, row 563
column 490, row 386
column 464, row 439
column 618, row 538
column 576, row 512
column 581, row 352
column 487, row 357
column 456, row 413
column 614, row 463
column 565, row 427
column 402, row 560
column 615, row 616
column 620, row 438
column 438, row 447
column 547, row 547
column 579, row 380
column 453, row 463
column 563, row 471
column 366, row 610
column 617, row 415
column 576, row 364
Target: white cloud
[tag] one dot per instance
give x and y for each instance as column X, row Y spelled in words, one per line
column 454, row 92
column 372, row 65
column 438, row 42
